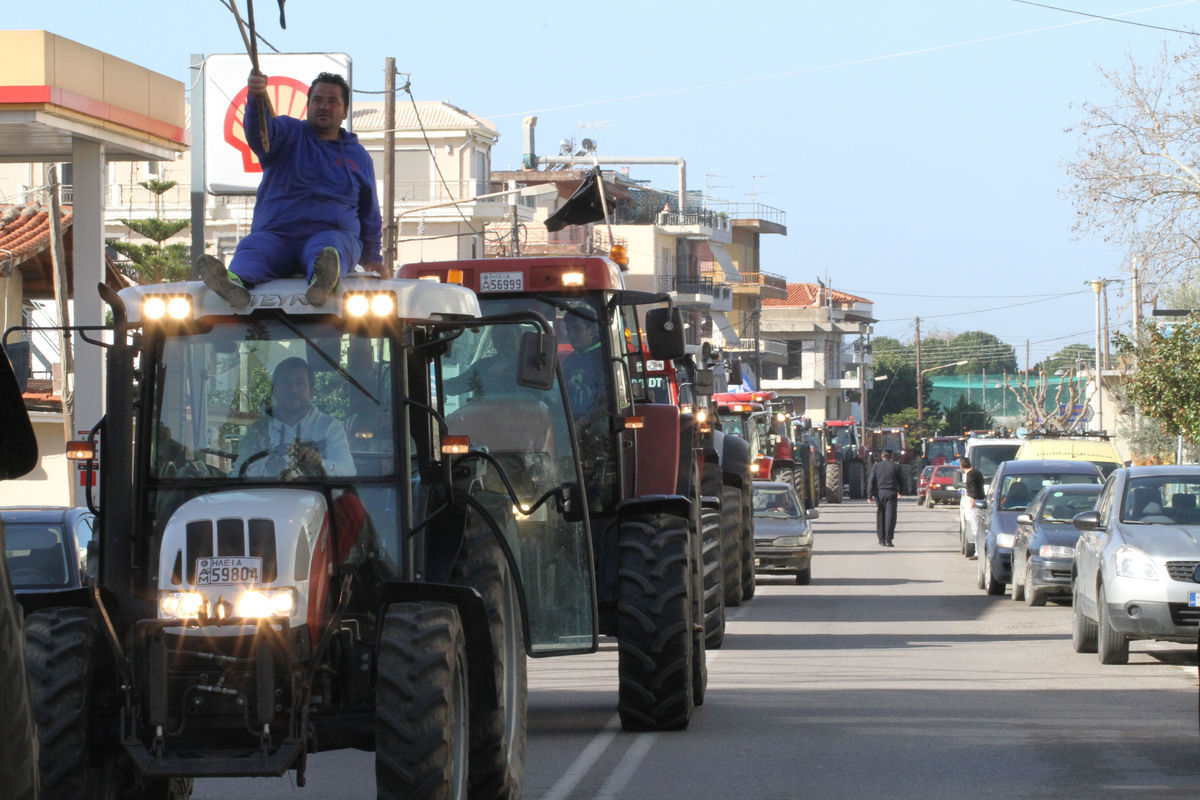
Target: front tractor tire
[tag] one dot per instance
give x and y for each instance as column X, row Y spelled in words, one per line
column 18, row 736
column 498, row 731
column 421, row 715
column 856, row 477
column 654, row 624
column 833, row 482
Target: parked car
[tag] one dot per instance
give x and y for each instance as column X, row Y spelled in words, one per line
column 944, row 485
column 46, row 546
column 923, row 485
column 1044, row 548
column 1135, row 563
column 986, row 455
column 1012, row 489
column 783, row 535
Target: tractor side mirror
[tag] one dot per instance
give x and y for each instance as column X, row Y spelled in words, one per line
column 18, row 447
column 704, row 382
column 573, row 504
column 536, row 360
column 664, row 332
column 735, row 373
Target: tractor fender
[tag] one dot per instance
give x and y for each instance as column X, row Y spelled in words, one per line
column 31, row 601
column 649, row 503
column 658, row 449
column 473, row 614
column 735, row 460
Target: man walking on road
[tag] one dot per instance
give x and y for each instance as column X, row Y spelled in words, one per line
column 883, row 489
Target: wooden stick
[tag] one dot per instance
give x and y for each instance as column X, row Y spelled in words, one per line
column 251, row 42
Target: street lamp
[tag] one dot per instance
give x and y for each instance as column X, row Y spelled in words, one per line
column 920, row 393
column 883, row 399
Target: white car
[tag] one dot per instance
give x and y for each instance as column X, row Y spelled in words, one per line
column 1135, row 570
column 985, row 455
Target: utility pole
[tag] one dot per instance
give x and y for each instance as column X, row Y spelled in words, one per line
column 515, row 227
column 920, row 393
column 389, row 166
column 1137, row 301
column 1107, row 337
column 1097, row 285
column 66, row 359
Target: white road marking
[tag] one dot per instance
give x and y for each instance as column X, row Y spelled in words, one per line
column 586, row 760
column 614, row 787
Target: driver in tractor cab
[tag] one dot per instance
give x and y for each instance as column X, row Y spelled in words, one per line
column 587, row 392
column 293, row 438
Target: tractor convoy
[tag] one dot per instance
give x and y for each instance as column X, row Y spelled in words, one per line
column 348, row 525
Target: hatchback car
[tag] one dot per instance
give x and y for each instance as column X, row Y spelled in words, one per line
column 783, row 535
column 943, row 485
column 1135, row 570
column 46, row 546
column 1044, row 548
column 923, row 485
column 1012, row 489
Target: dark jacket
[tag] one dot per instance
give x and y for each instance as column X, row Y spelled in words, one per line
column 974, row 484
column 886, row 476
column 310, row 185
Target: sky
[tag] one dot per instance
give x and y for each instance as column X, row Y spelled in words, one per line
column 917, row 149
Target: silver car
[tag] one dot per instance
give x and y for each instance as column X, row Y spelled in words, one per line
column 783, row 536
column 1134, row 574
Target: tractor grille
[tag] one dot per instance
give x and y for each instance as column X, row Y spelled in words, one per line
column 232, row 537
column 1182, row 614
column 1182, row 570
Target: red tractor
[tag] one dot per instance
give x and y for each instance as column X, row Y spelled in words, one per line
column 845, row 461
column 654, row 534
column 896, row 440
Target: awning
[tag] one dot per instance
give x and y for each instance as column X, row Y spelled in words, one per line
column 727, row 266
column 724, row 326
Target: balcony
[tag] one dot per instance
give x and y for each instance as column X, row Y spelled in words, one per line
column 689, row 292
column 757, row 217
column 573, row 240
column 701, row 224
column 759, row 284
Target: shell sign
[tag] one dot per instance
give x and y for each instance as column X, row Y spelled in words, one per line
column 229, row 166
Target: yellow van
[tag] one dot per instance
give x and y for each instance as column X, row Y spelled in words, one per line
column 1100, row 452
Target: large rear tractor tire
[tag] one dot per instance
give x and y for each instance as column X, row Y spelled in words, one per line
column 60, row 645
column 856, row 477
column 833, row 483
column 731, row 544
column 497, row 731
column 654, row 624
column 422, row 722
column 18, row 736
column 749, row 583
column 712, row 586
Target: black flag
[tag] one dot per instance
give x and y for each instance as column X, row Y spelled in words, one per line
column 282, row 21
column 582, row 207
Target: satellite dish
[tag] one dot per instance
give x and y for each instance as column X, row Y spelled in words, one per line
column 1022, row 433
column 589, row 145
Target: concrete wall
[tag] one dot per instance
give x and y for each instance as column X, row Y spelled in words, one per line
column 47, row 484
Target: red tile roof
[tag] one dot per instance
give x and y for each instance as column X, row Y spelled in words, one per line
column 804, row 295
column 25, row 231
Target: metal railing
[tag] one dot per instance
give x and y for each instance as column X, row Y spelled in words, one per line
column 694, row 219
column 753, row 211
column 424, row 192
column 685, row 284
column 574, row 240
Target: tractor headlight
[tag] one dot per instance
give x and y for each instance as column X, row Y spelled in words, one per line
column 369, row 304
column 158, row 306
column 258, row 603
column 180, row 605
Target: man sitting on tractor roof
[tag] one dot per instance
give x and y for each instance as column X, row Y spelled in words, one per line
column 316, row 211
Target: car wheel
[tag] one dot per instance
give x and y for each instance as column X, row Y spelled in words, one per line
column 1083, row 631
column 979, row 581
column 804, row 576
column 991, row 585
column 1111, row 645
column 968, row 547
column 1018, row 587
column 1032, row 596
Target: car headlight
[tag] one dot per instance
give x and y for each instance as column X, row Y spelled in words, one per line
column 1004, row 540
column 181, row 605
column 1129, row 562
column 258, row 603
column 789, row 541
column 1056, row 551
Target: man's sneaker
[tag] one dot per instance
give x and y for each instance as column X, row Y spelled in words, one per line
column 227, row 285
column 326, row 271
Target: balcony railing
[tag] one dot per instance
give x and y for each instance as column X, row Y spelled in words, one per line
column 428, row 192
column 574, row 240
column 694, row 219
column 754, row 211
column 685, row 284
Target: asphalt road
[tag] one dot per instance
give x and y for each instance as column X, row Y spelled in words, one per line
column 890, row 675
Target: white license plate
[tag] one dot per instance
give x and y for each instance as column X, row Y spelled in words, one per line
column 1193, row 599
column 502, row 282
column 231, row 570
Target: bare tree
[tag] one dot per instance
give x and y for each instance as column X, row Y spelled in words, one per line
column 1136, row 180
column 1068, row 396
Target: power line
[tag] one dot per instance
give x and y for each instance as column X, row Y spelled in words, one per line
column 990, row 308
column 1109, row 19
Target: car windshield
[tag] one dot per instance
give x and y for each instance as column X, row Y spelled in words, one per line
column 1061, row 506
column 37, row 557
column 1018, row 490
column 1162, row 500
column 1106, row 467
column 945, row 451
column 987, row 458
column 843, row 436
column 771, row 501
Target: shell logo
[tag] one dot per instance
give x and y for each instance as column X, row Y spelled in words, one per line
column 288, row 96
